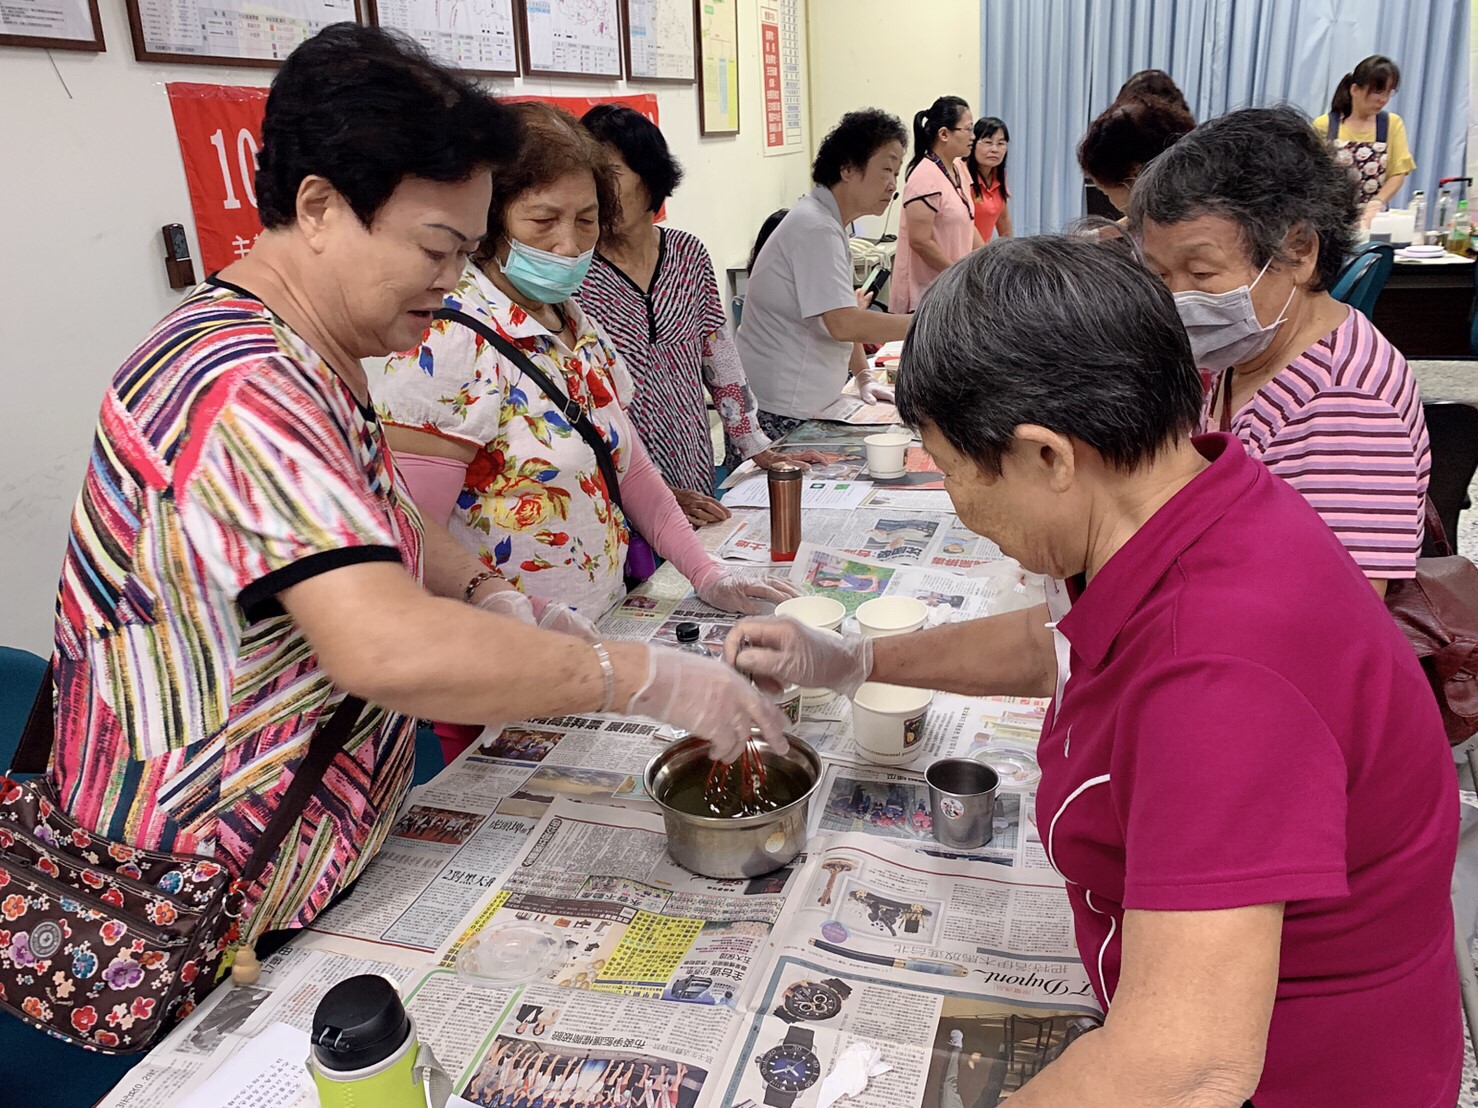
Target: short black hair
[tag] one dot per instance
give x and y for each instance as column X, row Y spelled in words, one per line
column 366, row 108
column 1265, row 170
column 641, row 145
column 1128, row 135
column 986, row 352
column 853, row 141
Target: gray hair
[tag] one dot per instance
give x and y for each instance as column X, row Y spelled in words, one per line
column 1265, row 170
column 1068, row 333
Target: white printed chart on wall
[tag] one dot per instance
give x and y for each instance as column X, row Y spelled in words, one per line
column 661, row 39
column 570, row 38
column 718, row 67
column 230, row 32
column 51, row 24
column 780, row 64
column 473, row 36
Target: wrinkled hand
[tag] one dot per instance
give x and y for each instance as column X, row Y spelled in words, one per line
column 707, row 699
column 745, row 595
column 767, row 459
column 508, row 602
column 554, row 616
column 780, row 652
column 698, row 508
column 871, row 392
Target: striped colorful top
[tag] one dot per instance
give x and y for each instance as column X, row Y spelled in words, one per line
column 675, row 341
column 230, row 462
column 1343, row 424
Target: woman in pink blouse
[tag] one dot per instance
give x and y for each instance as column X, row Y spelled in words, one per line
column 937, row 227
column 1248, row 219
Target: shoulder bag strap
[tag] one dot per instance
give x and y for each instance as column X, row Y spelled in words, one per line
column 329, row 738
column 572, row 412
column 1333, row 127
column 33, row 753
column 1382, row 125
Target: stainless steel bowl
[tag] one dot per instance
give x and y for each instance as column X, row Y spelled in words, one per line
column 741, row 846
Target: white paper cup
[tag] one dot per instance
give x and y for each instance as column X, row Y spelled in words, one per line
column 891, row 615
column 821, row 612
column 788, row 700
column 885, row 454
column 888, row 722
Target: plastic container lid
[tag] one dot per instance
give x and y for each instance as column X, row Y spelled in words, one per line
column 688, row 632
column 508, row 953
column 1016, row 768
column 359, row 1022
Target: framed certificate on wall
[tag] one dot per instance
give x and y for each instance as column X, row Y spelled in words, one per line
column 570, row 38
column 718, row 66
column 230, row 32
column 52, row 24
column 659, row 40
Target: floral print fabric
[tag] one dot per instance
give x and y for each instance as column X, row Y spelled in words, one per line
column 534, row 506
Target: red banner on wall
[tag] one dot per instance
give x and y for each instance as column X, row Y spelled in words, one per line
column 770, row 64
column 220, row 131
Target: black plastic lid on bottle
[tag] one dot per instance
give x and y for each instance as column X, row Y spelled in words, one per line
column 359, row 1022
column 688, row 632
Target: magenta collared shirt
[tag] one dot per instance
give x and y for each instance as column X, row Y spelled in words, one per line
column 1242, row 723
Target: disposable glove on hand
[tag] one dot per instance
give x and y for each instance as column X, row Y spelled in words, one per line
column 708, row 700
column 780, row 652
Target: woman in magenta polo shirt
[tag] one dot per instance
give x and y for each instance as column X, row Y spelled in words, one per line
column 1245, row 781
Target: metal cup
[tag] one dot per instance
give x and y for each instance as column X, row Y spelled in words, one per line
column 962, row 800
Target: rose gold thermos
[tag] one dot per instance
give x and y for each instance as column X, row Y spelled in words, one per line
column 785, row 512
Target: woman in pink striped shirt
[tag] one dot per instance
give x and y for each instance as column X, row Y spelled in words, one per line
column 1248, row 220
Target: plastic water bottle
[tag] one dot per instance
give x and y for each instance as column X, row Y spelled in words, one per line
column 1419, row 218
column 1458, row 239
column 687, row 639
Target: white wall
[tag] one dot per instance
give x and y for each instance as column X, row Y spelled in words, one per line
column 89, row 172
column 863, row 55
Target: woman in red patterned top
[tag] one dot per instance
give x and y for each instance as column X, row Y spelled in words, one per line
column 653, row 290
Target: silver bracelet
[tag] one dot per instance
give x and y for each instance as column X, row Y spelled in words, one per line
column 607, row 673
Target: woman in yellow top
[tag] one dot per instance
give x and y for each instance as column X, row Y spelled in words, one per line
column 1366, row 137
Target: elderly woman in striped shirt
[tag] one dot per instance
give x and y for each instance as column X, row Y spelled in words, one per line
column 1248, row 220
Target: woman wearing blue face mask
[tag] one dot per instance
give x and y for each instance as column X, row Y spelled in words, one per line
column 543, row 480
column 1248, row 219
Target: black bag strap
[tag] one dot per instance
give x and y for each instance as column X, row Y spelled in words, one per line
column 1333, row 126
column 573, row 413
column 33, row 753
column 1382, row 125
column 329, row 738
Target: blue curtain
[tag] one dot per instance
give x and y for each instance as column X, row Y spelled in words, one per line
column 1049, row 66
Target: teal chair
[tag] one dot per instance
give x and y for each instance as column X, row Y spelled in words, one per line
column 1359, row 283
column 20, row 677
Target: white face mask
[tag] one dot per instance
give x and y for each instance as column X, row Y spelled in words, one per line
column 1223, row 327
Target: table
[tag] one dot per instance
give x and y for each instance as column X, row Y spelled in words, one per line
column 1425, row 308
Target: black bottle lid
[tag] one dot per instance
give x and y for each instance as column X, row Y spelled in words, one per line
column 688, row 632
column 359, row 1022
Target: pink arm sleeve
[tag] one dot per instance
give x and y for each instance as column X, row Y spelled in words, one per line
column 434, row 483
column 655, row 513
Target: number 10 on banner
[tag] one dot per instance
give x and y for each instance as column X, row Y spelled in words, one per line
column 219, row 128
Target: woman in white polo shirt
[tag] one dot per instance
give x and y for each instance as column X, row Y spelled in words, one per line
column 803, row 321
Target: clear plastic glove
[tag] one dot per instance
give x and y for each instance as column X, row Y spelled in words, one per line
column 746, row 595
column 779, row 652
column 554, row 616
column 870, row 392
column 508, row 602
column 707, row 699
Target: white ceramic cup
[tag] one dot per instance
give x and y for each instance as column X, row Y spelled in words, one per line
column 821, row 612
column 888, row 722
column 885, row 454
column 891, row 615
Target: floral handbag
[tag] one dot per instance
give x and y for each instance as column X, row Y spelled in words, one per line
column 108, row 945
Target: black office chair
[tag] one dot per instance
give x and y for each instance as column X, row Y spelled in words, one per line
column 1453, row 429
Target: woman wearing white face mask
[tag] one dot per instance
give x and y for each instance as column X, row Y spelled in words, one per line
column 542, row 480
column 1248, row 219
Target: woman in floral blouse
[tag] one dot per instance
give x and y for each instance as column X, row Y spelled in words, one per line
column 653, row 290
column 481, row 444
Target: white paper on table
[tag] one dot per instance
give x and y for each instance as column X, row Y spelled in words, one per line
column 267, row 1072
column 842, row 495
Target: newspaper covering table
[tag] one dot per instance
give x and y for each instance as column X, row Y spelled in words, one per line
column 666, row 988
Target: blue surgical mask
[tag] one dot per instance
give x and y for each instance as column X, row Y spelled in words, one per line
column 543, row 276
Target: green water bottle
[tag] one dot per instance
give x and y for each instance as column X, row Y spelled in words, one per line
column 366, row 1053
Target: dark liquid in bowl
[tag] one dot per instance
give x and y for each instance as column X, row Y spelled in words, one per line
column 784, row 784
